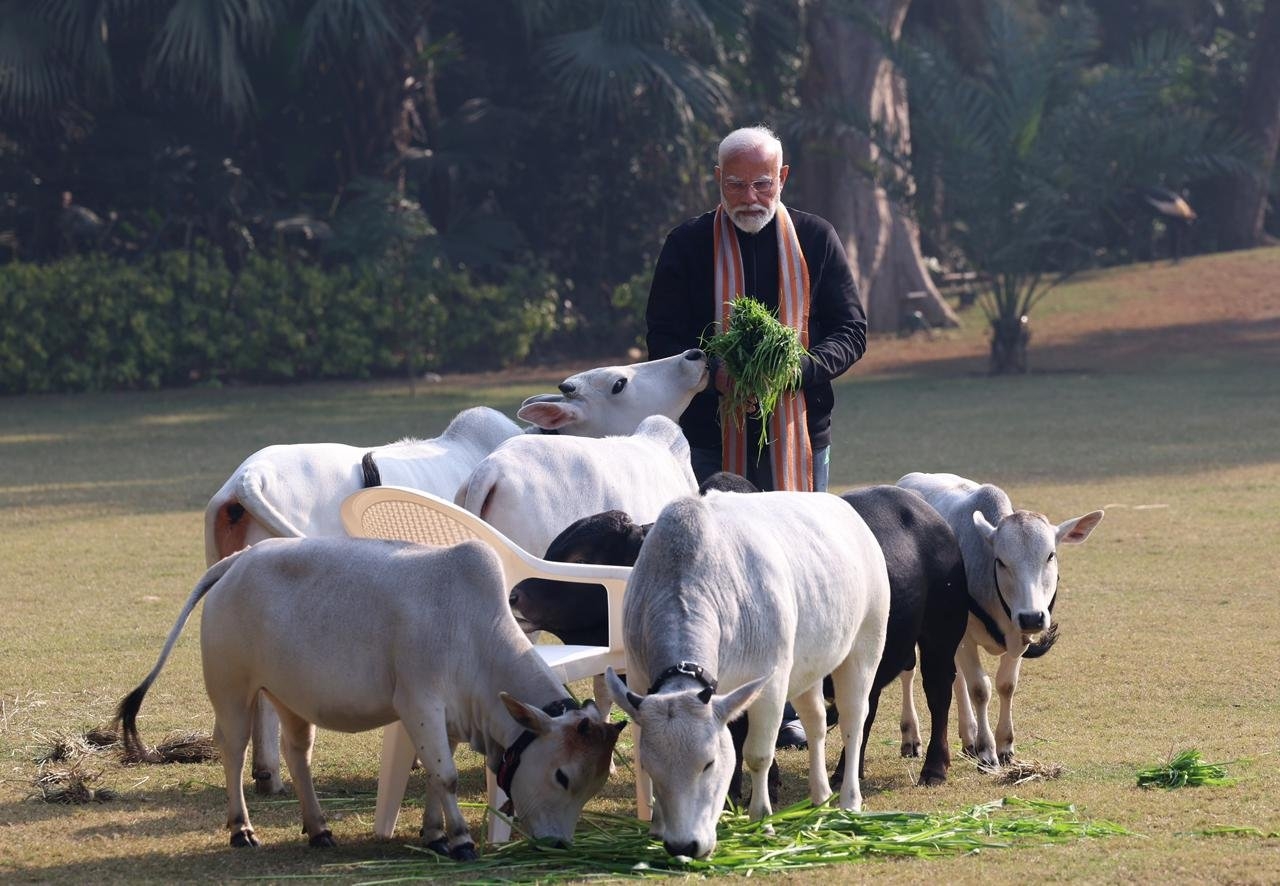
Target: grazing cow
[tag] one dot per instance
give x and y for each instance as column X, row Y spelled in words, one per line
column 928, row 604
column 294, row 490
column 1011, row 561
column 769, row 593
column 533, row 486
column 353, row 634
column 928, row 607
column 613, row 400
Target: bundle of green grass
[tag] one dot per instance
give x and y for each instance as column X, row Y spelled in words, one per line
column 762, row 357
column 1185, row 769
column 798, row 837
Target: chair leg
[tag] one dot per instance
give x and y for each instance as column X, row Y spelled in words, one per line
column 499, row 830
column 393, row 777
column 644, row 787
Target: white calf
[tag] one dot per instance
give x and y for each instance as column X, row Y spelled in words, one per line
column 613, row 400
column 294, row 490
column 1011, row 561
column 354, row 634
column 533, row 486
column 768, row 593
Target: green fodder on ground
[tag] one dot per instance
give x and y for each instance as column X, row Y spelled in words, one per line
column 1168, row 613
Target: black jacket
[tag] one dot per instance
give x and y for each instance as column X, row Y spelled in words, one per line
column 681, row 311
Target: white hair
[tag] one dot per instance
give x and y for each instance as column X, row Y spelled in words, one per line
column 749, row 138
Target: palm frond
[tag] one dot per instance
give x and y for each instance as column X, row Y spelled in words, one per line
column 597, row 75
column 332, row 25
column 33, row 79
column 201, row 47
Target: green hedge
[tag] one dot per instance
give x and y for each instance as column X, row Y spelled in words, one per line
column 93, row 323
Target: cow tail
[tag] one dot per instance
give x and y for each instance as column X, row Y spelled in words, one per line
column 372, row 476
column 1044, row 644
column 475, row 493
column 127, row 713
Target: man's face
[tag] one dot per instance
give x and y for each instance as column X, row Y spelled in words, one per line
column 750, row 185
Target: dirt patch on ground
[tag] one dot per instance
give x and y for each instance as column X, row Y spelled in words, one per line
column 1207, row 305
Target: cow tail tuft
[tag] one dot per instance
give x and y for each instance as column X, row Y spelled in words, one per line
column 372, row 476
column 127, row 716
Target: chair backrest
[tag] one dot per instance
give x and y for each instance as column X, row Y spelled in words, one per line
column 397, row 512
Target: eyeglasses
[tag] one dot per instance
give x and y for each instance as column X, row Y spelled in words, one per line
column 762, row 186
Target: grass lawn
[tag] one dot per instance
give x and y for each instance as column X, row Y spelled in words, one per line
column 1170, row 613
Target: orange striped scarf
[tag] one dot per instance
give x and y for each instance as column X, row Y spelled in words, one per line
column 790, row 453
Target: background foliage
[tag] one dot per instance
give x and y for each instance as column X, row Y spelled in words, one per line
column 537, row 152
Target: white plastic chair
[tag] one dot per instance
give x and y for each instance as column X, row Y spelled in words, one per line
column 396, row 512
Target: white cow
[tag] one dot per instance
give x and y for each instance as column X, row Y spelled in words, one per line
column 353, row 634
column 757, row 597
column 533, row 486
column 613, row 400
column 1011, row 561
column 293, row 490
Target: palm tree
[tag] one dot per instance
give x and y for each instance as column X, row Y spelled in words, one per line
column 1036, row 149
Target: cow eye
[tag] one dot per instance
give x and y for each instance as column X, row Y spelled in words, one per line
column 708, row 766
column 1000, row 563
column 619, row 385
column 562, row 779
column 1051, row 556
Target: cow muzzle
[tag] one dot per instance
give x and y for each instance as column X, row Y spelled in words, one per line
column 1031, row 623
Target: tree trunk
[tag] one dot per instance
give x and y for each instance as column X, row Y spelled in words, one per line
column 1245, row 199
column 848, row 69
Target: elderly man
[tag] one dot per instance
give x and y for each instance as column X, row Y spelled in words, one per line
column 738, row 249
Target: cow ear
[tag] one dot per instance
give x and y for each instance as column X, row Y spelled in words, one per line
column 549, row 415
column 635, row 538
column 625, row 699
column 985, row 529
column 728, row 707
column 1072, row 532
column 534, row 719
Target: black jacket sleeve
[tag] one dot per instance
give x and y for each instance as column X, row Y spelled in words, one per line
column 837, row 322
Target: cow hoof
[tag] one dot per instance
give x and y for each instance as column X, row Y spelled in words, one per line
column 910, row 749
column 440, row 846
column 464, row 852
column 245, row 839
column 932, row 779
column 1006, row 757
column 323, row 840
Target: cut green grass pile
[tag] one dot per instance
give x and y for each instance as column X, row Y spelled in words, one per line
column 803, row 837
column 763, row 358
column 1186, row 769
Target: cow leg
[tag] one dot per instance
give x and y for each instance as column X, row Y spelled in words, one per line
column 758, row 749
column 1006, row 685
column 604, row 701
column 873, row 703
column 266, row 748
column 444, row 830
column 852, row 689
column 738, row 733
column 938, row 669
column 973, row 692
column 909, row 725
column 298, row 737
column 813, row 716
column 231, row 727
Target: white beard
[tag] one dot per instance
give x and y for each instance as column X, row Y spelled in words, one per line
column 750, row 222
